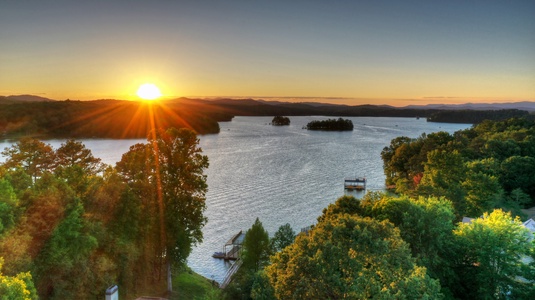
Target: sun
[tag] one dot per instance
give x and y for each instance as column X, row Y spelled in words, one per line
column 148, row 91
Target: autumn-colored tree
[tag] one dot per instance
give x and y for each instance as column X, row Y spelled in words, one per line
column 350, row 257
column 32, row 155
column 19, row 287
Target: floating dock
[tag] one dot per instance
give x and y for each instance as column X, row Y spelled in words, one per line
column 232, row 248
column 355, row 183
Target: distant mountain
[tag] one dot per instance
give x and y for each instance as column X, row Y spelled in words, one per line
column 467, row 113
column 523, row 105
column 23, row 98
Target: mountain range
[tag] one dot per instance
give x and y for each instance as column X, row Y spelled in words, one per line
column 521, row 105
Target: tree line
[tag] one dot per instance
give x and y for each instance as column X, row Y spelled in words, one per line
column 491, row 165
column 331, row 125
column 411, row 244
column 71, row 226
column 102, row 119
column 280, row 121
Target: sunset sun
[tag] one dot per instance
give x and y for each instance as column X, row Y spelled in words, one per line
column 148, row 91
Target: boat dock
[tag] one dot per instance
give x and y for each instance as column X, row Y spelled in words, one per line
column 355, row 183
column 232, row 248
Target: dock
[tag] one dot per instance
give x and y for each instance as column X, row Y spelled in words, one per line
column 232, row 248
column 355, row 183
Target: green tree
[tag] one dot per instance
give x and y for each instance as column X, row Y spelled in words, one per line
column 19, row 287
column 518, row 172
column 8, row 205
column 443, row 175
column 256, row 248
column 494, row 247
column 284, row 236
column 167, row 175
column 77, row 165
column 350, row 257
column 65, row 257
column 426, row 224
column 32, row 155
column 261, row 288
column 73, row 153
column 483, row 193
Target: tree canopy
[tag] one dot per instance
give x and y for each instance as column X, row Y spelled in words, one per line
column 280, row 121
column 350, row 257
column 79, row 226
column 477, row 169
column 331, row 125
column 497, row 249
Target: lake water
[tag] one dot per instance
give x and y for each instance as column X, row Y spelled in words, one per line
column 278, row 174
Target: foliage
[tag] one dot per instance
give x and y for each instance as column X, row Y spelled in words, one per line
column 104, row 118
column 284, row 237
column 18, row 287
column 477, row 169
column 280, row 121
column 331, row 125
column 8, row 205
column 256, row 247
column 31, row 155
column 494, row 247
column 349, row 257
column 471, row 117
column 80, row 226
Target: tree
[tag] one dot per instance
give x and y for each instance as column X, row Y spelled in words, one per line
column 77, row 165
column 280, row 121
column 519, row 172
column 350, row 257
column 443, row 175
column 65, row 257
column 494, row 247
column 167, row 174
column 19, row 287
column 483, row 193
column 73, row 153
column 256, row 248
column 285, row 236
column 8, row 205
column 32, row 155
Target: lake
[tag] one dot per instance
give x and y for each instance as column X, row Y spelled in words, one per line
column 278, row 174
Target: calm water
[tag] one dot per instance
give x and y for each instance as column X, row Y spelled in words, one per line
column 278, row 174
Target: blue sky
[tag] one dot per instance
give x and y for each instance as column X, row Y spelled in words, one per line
column 393, row 52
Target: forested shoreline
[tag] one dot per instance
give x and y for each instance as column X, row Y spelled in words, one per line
column 410, row 243
column 71, row 226
column 102, row 119
column 132, row 119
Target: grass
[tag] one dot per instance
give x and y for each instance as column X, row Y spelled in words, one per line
column 190, row 285
column 186, row 285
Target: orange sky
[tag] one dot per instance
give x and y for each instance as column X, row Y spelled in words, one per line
column 389, row 52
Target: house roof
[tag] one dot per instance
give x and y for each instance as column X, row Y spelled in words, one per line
column 530, row 224
column 467, row 220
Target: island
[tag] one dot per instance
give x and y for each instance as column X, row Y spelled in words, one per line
column 280, row 121
column 331, row 125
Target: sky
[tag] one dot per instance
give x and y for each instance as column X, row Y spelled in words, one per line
column 351, row 52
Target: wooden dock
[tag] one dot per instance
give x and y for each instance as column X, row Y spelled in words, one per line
column 228, row 276
column 355, row 183
column 232, row 248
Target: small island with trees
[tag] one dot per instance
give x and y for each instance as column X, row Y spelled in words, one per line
column 331, row 125
column 280, row 121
